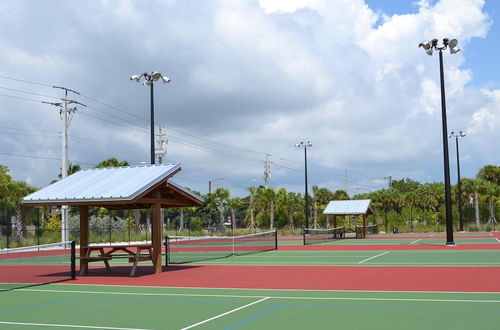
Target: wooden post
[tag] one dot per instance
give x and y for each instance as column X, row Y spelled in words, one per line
column 364, row 225
column 84, row 232
column 156, row 233
column 334, row 221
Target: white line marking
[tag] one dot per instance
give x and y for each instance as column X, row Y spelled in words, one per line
column 415, row 241
column 497, row 239
column 68, row 326
column 378, row 255
column 223, row 314
column 285, row 297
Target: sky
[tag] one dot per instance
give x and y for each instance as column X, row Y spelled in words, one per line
column 251, row 78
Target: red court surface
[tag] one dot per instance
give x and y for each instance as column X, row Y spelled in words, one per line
column 364, row 278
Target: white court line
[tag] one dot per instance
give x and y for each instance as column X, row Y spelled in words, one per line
column 191, row 295
column 415, row 241
column 498, row 240
column 378, row 255
column 67, row 326
column 223, row 314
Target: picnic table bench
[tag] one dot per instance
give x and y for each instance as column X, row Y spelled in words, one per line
column 105, row 253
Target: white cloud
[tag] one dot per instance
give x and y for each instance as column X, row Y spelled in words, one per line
column 259, row 76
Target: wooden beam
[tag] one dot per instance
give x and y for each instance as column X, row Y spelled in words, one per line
column 157, row 234
column 84, row 232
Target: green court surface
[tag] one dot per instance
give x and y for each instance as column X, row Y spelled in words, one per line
column 112, row 307
column 398, row 241
column 367, row 258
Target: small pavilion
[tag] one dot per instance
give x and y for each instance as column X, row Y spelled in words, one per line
column 349, row 207
column 119, row 188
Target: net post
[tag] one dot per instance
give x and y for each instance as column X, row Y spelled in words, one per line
column 304, row 235
column 276, row 239
column 73, row 260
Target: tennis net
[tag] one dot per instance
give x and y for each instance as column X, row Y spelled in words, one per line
column 185, row 249
column 315, row 235
column 35, row 265
column 361, row 231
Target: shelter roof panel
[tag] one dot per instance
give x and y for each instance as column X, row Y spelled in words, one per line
column 348, row 207
column 104, row 184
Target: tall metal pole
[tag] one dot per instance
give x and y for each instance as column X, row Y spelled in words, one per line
column 459, row 188
column 152, row 125
column 306, row 194
column 447, row 187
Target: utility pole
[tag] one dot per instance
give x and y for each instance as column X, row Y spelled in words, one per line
column 389, row 178
column 66, row 116
column 267, row 170
column 162, row 141
column 346, row 181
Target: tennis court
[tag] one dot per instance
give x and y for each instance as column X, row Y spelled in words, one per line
column 294, row 287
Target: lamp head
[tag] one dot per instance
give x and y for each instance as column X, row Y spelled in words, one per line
column 462, row 134
column 426, row 45
column 453, row 43
column 135, row 77
column 147, row 83
column 156, row 75
column 165, row 80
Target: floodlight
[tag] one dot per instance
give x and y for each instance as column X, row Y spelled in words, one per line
column 454, row 50
column 135, row 77
column 165, row 80
column 453, row 43
column 462, row 134
column 429, row 52
column 426, row 45
column 147, row 83
column 156, row 75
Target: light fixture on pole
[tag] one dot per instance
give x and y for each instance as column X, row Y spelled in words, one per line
column 459, row 185
column 210, row 184
column 149, row 79
column 429, row 47
column 305, row 146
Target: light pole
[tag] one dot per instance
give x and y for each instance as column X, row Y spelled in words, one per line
column 210, row 184
column 459, row 185
column 305, row 146
column 149, row 79
column 429, row 47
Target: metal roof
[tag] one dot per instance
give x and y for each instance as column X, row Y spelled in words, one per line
column 359, row 206
column 190, row 193
column 105, row 184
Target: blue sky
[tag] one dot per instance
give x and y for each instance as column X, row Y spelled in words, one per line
column 482, row 53
column 251, row 78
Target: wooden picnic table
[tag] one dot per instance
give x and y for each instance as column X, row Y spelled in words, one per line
column 106, row 253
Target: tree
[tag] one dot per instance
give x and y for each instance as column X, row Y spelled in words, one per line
column 472, row 187
column 405, row 185
column 234, row 205
column 290, row 203
column 12, row 192
column 221, row 196
column 112, row 162
column 251, row 204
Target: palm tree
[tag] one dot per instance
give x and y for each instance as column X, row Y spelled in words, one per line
column 221, row 196
column 265, row 199
column 472, row 187
column 19, row 189
column 234, row 204
column 290, row 203
column 251, row 204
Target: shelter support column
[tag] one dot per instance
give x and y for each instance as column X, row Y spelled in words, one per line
column 364, row 225
column 156, row 234
column 334, row 221
column 84, row 231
